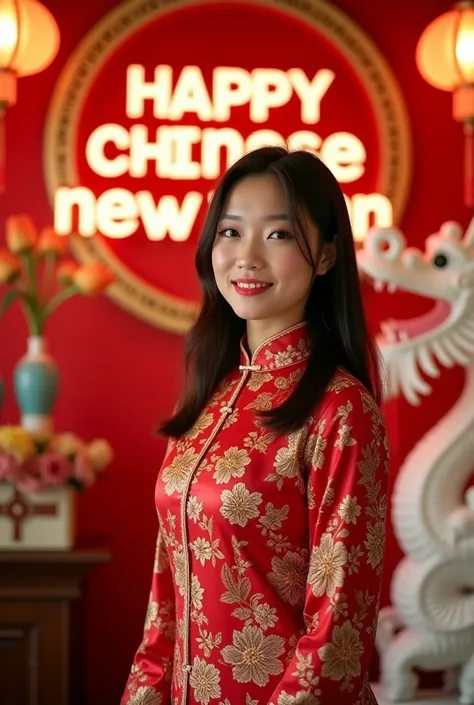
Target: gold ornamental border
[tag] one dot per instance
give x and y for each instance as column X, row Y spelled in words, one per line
column 130, row 291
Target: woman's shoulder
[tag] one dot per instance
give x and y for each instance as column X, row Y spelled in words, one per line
column 345, row 393
column 343, row 383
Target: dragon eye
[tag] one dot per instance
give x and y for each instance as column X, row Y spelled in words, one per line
column 440, row 261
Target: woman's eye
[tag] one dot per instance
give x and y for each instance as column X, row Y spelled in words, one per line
column 228, row 232
column 280, row 235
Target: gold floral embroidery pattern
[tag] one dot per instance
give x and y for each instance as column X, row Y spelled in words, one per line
column 176, row 474
column 254, row 656
column 160, row 616
column 204, row 549
column 308, row 682
column 349, row 510
column 289, row 461
column 344, row 430
column 288, row 382
column 259, row 440
column 231, row 464
column 341, row 657
column 224, row 391
column 274, row 556
column 273, row 519
column 290, row 355
column 326, row 566
column 238, row 592
column 264, row 402
column 161, row 562
column 205, row 680
column 269, row 400
column 145, row 695
column 203, row 422
column 258, row 379
column 289, row 577
column 239, row 505
column 316, row 445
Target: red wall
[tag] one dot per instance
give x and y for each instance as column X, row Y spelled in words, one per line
column 119, row 375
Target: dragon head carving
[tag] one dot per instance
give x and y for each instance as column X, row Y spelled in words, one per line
column 444, row 272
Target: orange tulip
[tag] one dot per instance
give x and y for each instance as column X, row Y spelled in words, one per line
column 51, row 243
column 10, row 267
column 21, row 233
column 92, row 279
column 66, row 272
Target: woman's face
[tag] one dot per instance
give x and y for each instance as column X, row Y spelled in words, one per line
column 258, row 265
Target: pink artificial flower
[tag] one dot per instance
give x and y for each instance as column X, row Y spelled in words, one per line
column 9, row 469
column 54, row 468
column 28, row 477
column 29, row 483
column 83, row 469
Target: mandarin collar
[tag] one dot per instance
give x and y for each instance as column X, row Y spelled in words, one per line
column 284, row 349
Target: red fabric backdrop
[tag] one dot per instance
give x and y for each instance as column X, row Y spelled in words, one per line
column 119, row 375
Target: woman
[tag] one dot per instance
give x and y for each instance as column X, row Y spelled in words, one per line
column 272, row 495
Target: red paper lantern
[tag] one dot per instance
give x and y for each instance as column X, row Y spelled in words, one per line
column 445, row 59
column 29, row 41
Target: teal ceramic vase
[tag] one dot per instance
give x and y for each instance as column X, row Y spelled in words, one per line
column 36, row 384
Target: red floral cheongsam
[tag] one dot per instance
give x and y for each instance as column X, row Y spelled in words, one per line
column 269, row 556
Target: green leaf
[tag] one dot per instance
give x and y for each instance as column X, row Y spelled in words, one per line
column 41, row 444
column 8, row 299
column 78, row 486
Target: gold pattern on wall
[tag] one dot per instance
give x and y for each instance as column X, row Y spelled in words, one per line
column 130, row 291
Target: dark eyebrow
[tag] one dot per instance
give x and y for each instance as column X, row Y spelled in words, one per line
column 273, row 216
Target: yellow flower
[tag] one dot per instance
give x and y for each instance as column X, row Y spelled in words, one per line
column 52, row 244
column 68, row 444
column 100, row 454
column 92, row 279
column 9, row 267
column 17, row 442
column 21, row 233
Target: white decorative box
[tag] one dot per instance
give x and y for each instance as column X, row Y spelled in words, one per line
column 36, row 521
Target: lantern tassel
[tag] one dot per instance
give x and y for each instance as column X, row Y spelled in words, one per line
column 469, row 163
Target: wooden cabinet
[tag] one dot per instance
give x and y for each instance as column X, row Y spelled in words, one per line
column 41, row 632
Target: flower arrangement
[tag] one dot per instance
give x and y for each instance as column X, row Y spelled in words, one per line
column 33, row 463
column 32, row 269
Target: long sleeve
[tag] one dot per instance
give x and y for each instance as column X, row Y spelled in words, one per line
column 151, row 669
column 347, row 454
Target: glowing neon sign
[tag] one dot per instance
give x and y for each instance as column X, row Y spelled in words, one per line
column 118, row 213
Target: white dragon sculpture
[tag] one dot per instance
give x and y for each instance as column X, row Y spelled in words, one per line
column 431, row 623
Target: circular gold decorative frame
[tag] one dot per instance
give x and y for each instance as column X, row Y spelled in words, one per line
column 130, row 291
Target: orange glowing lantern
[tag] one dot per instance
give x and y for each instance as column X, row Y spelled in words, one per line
column 29, row 41
column 445, row 59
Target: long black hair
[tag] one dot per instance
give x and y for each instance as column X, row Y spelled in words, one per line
column 334, row 310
